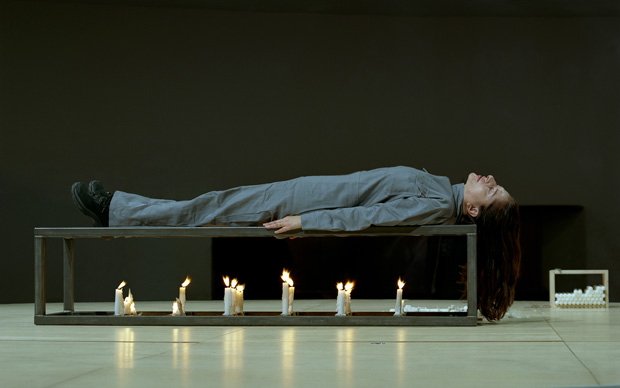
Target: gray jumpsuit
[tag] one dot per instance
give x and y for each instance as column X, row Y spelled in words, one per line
column 382, row 197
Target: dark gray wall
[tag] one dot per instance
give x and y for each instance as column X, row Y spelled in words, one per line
column 172, row 102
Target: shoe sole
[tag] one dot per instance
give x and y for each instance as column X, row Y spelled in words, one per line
column 80, row 205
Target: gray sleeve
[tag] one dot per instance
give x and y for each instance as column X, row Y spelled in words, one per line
column 402, row 211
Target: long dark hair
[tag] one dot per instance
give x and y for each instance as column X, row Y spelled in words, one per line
column 499, row 257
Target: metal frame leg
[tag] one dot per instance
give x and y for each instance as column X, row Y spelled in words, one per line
column 39, row 276
column 68, row 296
column 472, row 276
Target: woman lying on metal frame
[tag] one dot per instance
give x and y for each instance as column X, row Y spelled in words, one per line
column 395, row 196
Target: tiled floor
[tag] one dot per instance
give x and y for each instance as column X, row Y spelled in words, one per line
column 535, row 346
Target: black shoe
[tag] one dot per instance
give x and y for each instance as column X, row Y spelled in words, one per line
column 90, row 205
column 99, row 194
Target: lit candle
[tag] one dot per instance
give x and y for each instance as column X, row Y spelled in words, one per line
column 239, row 304
column 127, row 304
column 399, row 298
column 291, row 295
column 119, row 306
column 227, row 295
column 285, row 292
column 340, row 311
column 347, row 289
column 233, row 296
column 182, row 291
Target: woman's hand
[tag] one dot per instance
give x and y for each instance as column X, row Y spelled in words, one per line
column 285, row 224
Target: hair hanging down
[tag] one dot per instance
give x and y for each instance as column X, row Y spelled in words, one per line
column 499, row 257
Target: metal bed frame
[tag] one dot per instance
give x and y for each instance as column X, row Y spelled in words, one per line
column 215, row 318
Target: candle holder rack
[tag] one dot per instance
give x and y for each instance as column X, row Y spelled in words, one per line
column 215, row 318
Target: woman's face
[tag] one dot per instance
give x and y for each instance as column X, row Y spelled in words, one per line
column 483, row 191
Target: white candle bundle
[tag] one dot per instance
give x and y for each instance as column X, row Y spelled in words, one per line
column 399, row 308
column 288, row 293
column 182, row 292
column 119, row 301
column 233, row 297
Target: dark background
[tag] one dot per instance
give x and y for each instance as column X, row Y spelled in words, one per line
column 173, row 99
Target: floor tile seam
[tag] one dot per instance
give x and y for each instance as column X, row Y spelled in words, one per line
column 76, row 377
column 582, row 363
column 573, row 353
column 134, row 359
column 236, row 329
column 159, row 354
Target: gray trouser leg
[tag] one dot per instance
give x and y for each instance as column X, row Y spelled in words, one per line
column 241, row 206
column 233, row 207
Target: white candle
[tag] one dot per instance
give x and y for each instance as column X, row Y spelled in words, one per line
column 399, row 298
column 285, row 298
column 340, row 309
column 176, row 309
column 133, row 309
column 182, row 295
column 227, row 296
column 285, row 294
column 291, row 295
column 182, row 291
column 239, row 304
column 233, row 297
column 119, row 301
column 227, row 300
column 181, row 307
column 347, row 289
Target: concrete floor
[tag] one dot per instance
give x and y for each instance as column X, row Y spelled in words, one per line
column 535, row 346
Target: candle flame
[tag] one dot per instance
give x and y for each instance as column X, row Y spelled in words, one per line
column 349, row 286
column 285, row 274
column 233, row 283
column 186, row 282
column 241, row 287
column 120, row 286
column 339, row 286
column 290, row 282
column 226, row 280
column 401, row 284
